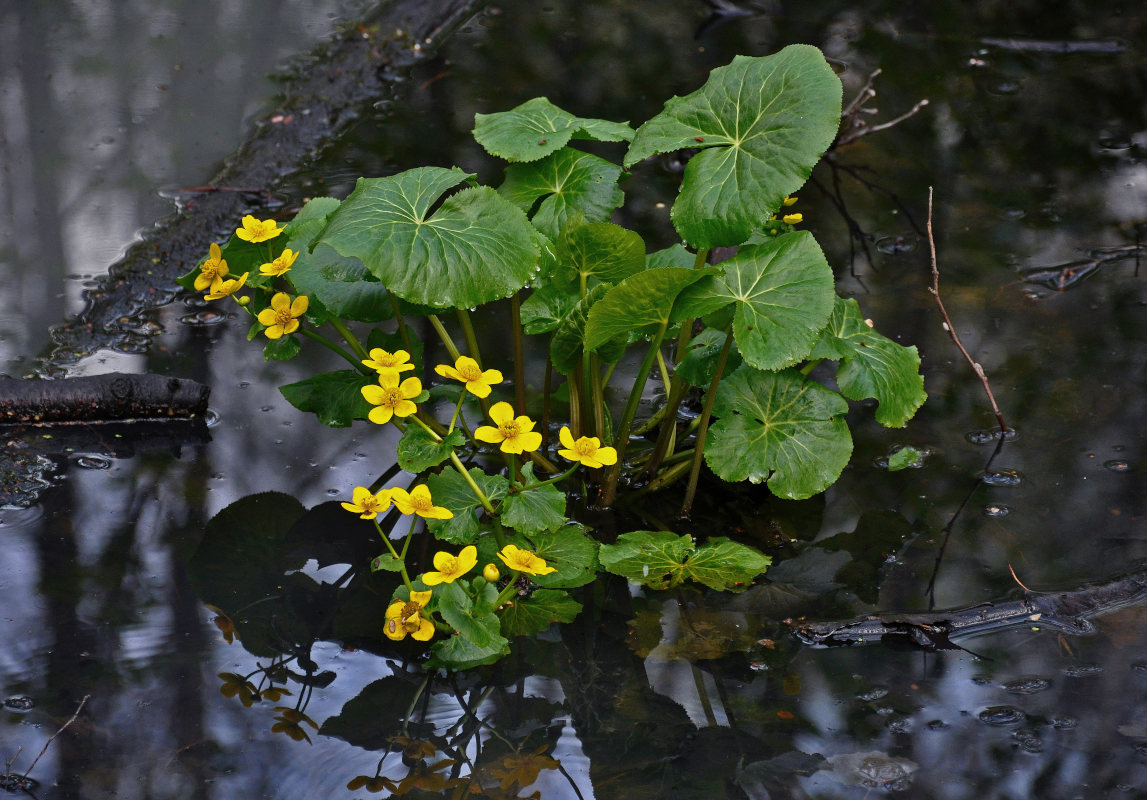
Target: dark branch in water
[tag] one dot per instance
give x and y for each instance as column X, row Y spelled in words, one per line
column 100, row 398
column 11, row 781
column 1070, row 611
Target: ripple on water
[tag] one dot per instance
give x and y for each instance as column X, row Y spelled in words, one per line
column 1001, row 715
column 996, row 510
column 991, row 435
column 1027, row 685
column 1028, row 741
column 1002, row 477
column 19, row 702
column 1083, row 670
column 1115, row 465
column 92, row 462
column 897, row 245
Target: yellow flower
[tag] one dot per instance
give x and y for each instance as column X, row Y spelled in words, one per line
column 792, row 219
column 524, row 561
column 282, row 316
column 586, row 450
column 385, row 363
column 391, row 399
column 451, row 567
column 225, row 288
column 789, row 201
column 212, row 271
column 367, row 505
column 466, row 369
column 418, row 502
column 490, row 573
column 517, row 435
column 255, row 230
column 281, row 264
column 405, row 616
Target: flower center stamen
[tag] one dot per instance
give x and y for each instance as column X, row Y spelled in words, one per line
column 283, row 317
column 509, row 429
column 470, row 374
column 392, row 397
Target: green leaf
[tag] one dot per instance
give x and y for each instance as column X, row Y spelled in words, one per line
column 474, row 621
column 663, row 560
column 334, row 397
column 525, row 616
column 762, row 124
column 534, row 510
column 570, row 181
column 343, row 286
column 475, row 248
column 872, row 365
column 544, row 310
column 673, row 256
column 600, row 250
column 700, row 361
column 639, row 304
column 537, row 128
column 781, row 425
column 572, row 554
column 282, row 349
column 386, row 563
column 783, row 295
column 458, row 653
column 450, row 490
column 568, row 341
column 418, row 450
column 905, row 458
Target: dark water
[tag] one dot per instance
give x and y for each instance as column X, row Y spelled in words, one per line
column 1034, row 140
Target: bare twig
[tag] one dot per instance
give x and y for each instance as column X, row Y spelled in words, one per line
column 864, row 131
column 48, row 743
column 935, row 290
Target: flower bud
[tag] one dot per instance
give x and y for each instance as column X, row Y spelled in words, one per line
column 490, row 573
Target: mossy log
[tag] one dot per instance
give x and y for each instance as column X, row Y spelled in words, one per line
column 101, row 398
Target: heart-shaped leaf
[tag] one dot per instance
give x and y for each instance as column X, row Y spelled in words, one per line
column 417, row 450
column 525, row 616
column 872, row 365
column 761, row 123
column 334, row 397
column 700, row 361
column 544, row 310
column 534, row 510
column 640, row 304
column 572, row 554
column 476, row 247
column 537, row 128
column 571, row 182
column 599, row 251
column 450, row 490
column 783, row 295
column 781, row 425
column 568, row 341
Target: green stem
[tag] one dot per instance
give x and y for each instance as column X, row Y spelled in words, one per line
column 597, row 397
column 428, row 429
column 444, row 335
column 350, row 338
column 401, row 325
column 543, row 462
column 575, row 406
column 327, row 343
column 810, row 366
column 393, row 552
column 663, row 368
column 478, row 493
column 499, row 533
column 513, row 468
column 468, row 333
column 554, row 479
column 510, row 589
column 519, row 353
column 703, row 430
column 621, row 441
column 457, row 411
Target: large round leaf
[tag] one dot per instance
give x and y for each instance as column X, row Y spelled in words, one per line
column 570, row 181
column 537, row 128
column 783, row 295
column 600, row 250
column 762, row 124
column 782, row 425
column 639, row 304
column 476, row 247
column 872, row 365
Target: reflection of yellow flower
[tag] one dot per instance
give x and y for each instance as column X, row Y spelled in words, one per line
column 412, row 749
column 281, row 264
column 289, row 723
column 282, row 316
column 517, row 435
column 225, row 624
column 523, row 768
column 449, row 567
column 587, row 450
column 367, row 505
column 212, row 271
column 524, row 561
column 387, row 363
column 255, row 230
column 375, row 784
column 466, row 369
column 391, row 399
column 274, row 693
column 238, row 685
column 418, row 501
column 405, row 616
column 226, row 288
column 426, row 777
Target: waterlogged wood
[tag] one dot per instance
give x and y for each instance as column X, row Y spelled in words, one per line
column 1070, row 611
column 100, row 398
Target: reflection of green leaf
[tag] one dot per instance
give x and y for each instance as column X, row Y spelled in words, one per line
column 639, row 304
column 780, row 427
column 334, row 397
column 450, row 490
column 417, row 450
column 376, row 713
column 537, row 128
column 762, row 123
column 534, row 510
column 872, row 365
column 663, row 560
column 783, row 294
column 701, row 357
column 525, row 616
column 572, row 554
column 570, row 181
column 476, row 247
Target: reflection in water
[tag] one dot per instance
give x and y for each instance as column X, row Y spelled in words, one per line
column 689, row 694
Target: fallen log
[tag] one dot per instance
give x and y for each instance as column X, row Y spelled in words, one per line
column 100, row 398
column 1070, row 611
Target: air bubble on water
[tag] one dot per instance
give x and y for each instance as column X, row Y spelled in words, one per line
column 244, row 384
column 1028, row 685
column 897, row 245
column 1001, row 715
column 873, row 694
column 996, row 510
column 991, row 435
column 1063, row 722
column 207, row 316
column 1002, row 477
column 93, row 462
column 211, row 418
column 1116, row 465
column 333, row 492
column 19, row 702
column 1083, row 670
column 1115, row 142
column 1028, row 741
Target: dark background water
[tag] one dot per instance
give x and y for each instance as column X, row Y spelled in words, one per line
column 1034, row 141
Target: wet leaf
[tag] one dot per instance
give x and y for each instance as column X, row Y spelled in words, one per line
column 572, row 554
column 537, row 128
column 571, row 182
column 450, row 490
column 872, row 365
column 417, row 450
column 472, row 619
column 334, row 397
column 458, row 653
column 546, row 308
column 282, row 349
column 701, row 358
column 525, row 616
column 762, row 124
column 673, row 256
column 779, row 427
column 904, row 458
column 568, row 341
column 476, row 247
column 535, row 510
column 639, row 304
column 663, row 560
column 782, row 292
column 599, row 251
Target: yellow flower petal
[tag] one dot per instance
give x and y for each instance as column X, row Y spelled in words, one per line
column 501, row 413
column 484, row 433
column 380, row 415
column 566, row 437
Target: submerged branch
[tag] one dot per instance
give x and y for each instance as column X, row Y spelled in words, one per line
column 113, row 397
